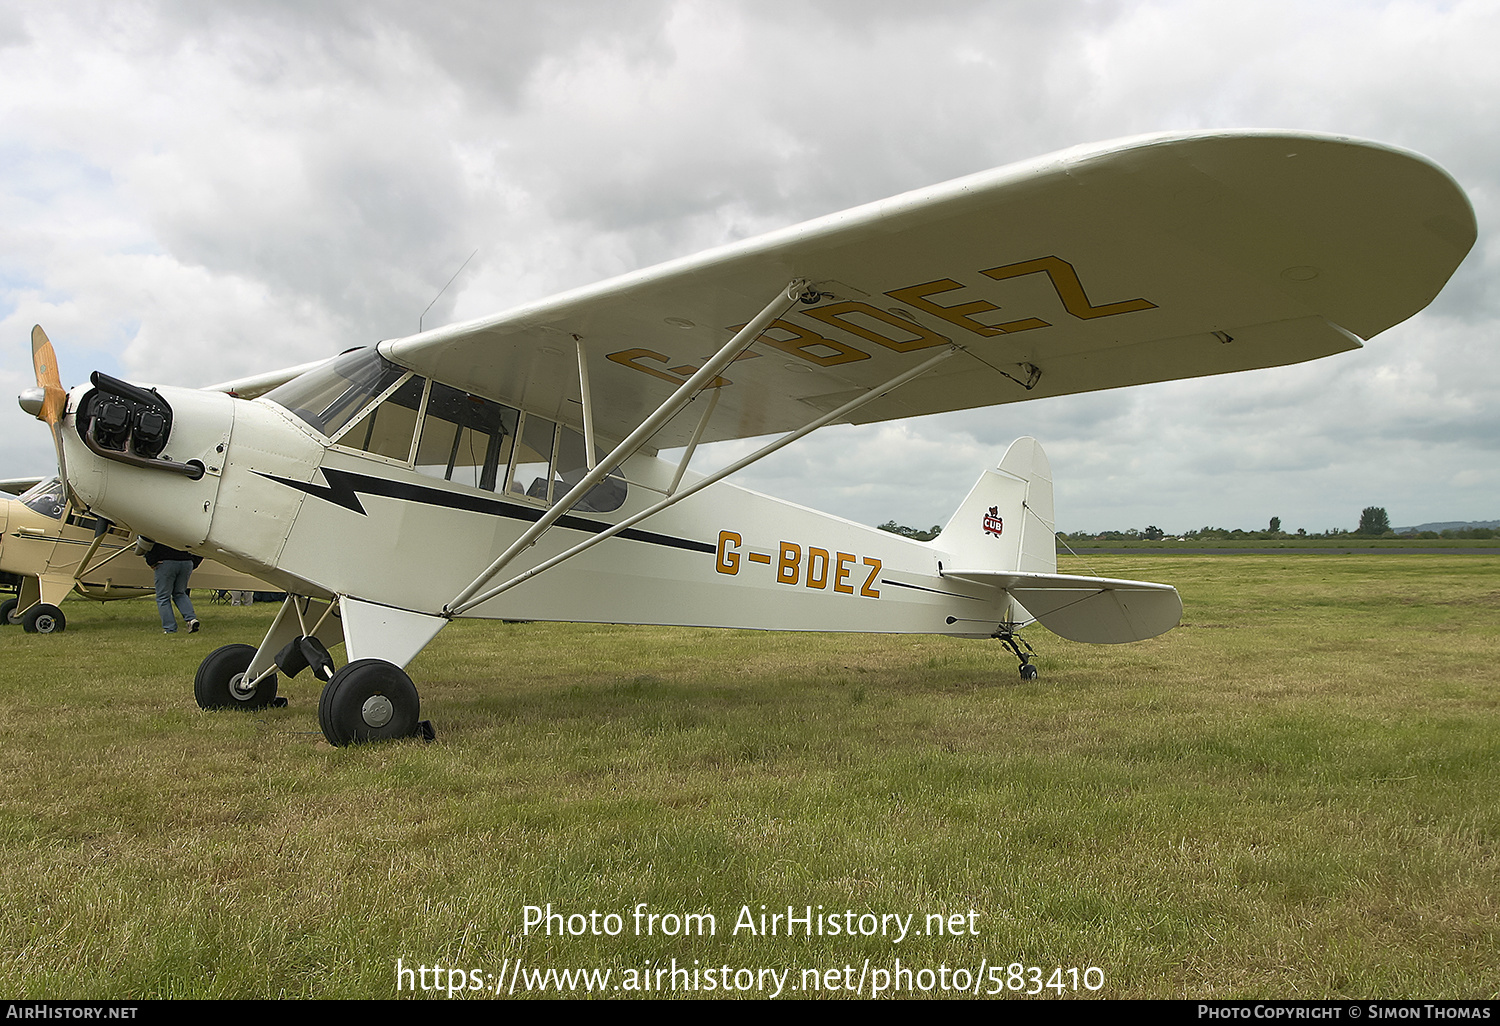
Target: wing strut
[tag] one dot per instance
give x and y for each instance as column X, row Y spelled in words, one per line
column 692, row 446
column 684, row 394
column 458, row 607
column 588, row 403
column 100, row 533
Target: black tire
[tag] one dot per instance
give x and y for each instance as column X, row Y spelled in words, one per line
column 43, row 619
column 1028, row 672
column 368, row 700
column 215, row 684
column 7, row 608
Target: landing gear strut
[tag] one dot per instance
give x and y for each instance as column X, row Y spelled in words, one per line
column 1013, row 641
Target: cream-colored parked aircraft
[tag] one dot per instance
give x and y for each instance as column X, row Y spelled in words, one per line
column 507, row 467
column 55, row 551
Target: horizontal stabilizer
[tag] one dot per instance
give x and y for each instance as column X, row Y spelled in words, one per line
column 1096, row 610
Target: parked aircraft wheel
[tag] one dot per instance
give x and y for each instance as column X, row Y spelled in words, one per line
column 1028, row 672
column 43, row 619
column 219, row 683
column 368, row 700
column 7, row 613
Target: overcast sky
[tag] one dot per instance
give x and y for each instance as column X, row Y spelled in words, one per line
column 191, row 192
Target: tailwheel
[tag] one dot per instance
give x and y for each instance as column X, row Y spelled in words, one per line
column 43, row 619
column 370, row 700
column 1013, row 641
column 222, row 681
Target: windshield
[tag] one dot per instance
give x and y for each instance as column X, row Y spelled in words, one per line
column 46, row 498
column 329, row 395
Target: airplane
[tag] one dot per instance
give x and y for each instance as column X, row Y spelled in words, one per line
column 508, row 467
column 51, row 551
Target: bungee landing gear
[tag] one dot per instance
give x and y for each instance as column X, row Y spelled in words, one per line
column 1013, row 641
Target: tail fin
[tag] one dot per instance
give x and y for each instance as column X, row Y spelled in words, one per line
column 1002, row 537
column 1006, row 523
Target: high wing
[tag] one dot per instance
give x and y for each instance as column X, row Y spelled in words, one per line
column 259, row 384
column 17, row 485
column 1148, row 259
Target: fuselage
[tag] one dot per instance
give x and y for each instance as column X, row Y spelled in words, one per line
column 366, row 511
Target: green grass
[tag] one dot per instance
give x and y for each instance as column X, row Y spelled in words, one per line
column 1291, row 795
column 1346, row 543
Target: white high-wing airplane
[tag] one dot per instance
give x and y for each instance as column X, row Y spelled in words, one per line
column 507, row 467
column 51, row 552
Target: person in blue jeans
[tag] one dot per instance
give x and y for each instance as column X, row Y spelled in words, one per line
column 173, row 569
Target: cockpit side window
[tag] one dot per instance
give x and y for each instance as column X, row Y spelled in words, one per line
column 462, row 438
column 46, row 498
column 465, row 439
column 570, row 468
column 531, row 476
column 388, row 429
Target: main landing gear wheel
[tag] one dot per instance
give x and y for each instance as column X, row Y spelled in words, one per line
column 43, row 619
column 7, row 613
column 220, row 681
column 369, row 700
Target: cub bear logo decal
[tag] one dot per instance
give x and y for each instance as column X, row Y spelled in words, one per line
column 993, row 524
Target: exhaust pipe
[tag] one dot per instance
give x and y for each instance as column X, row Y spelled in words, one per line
column 129, row 424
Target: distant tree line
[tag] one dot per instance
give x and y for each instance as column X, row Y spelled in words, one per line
column 1373, row 523
column 914, row 533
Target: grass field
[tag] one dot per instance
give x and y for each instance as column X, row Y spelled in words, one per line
column 1291, row 795
column 1345, row 543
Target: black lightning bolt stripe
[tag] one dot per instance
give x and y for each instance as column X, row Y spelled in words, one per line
column 918, row 587
column 344, row 488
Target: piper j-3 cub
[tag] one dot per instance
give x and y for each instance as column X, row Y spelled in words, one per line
column 48, row 551
column 507, row 467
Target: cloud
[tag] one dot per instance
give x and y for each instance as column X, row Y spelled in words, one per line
column 191, row 192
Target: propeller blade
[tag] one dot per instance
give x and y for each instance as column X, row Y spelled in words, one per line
column 44, row 362
column 54, row 398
